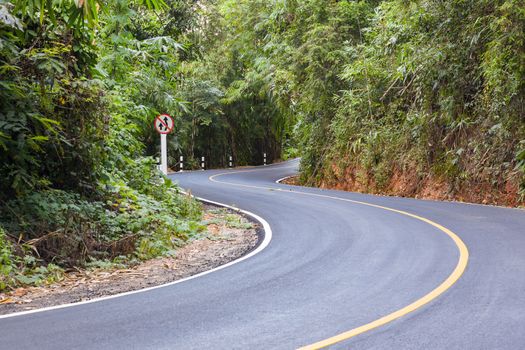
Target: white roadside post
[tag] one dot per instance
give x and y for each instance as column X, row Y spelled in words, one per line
column 202, row 163
column 163, row 154
column 164, row 125
column 264, row 158
column 181, row 163
column 230, row 164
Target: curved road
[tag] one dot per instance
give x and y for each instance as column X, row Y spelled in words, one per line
column 332, row 265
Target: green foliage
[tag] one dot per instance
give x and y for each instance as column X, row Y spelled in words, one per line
column 439, row 85
column 224, row 217
column 235, row 221
column 7, row 261
column 79, row 183
column 27, row 270
column 520, row 156
column 34, row 274
column 47, row 107
column 380, row 87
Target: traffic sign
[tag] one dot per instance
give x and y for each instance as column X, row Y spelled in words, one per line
column 164, row 124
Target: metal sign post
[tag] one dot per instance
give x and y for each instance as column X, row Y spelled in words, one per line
column 164, row 125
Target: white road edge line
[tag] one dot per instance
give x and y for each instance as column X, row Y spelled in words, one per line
column 266, row 240
column 283, row 178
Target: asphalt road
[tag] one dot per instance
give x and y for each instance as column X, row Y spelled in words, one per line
column 331, row 266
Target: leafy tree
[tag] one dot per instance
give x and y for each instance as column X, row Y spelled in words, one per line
column 370, row 89
column 78, row 91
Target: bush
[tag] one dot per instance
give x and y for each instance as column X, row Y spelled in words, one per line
column 7, row 261
column 65, row 229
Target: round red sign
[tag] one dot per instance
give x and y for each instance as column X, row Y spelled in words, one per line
column 164, row 124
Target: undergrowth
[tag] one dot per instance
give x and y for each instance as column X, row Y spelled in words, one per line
column 53, row 230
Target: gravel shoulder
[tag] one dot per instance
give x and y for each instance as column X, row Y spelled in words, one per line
column 230, row 236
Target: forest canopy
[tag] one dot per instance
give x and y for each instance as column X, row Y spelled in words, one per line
column 400, row 97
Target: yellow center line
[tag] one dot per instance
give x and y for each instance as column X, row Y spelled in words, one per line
column 442, row 288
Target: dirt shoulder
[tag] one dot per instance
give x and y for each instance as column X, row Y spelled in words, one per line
column 428, row 189
column 230, row 236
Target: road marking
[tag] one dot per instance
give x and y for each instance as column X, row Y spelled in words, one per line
column 444, row 286
column 282, row 179
column 266, row 240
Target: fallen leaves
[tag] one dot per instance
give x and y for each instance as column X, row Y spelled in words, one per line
column 222, row 245
column 6, row 301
